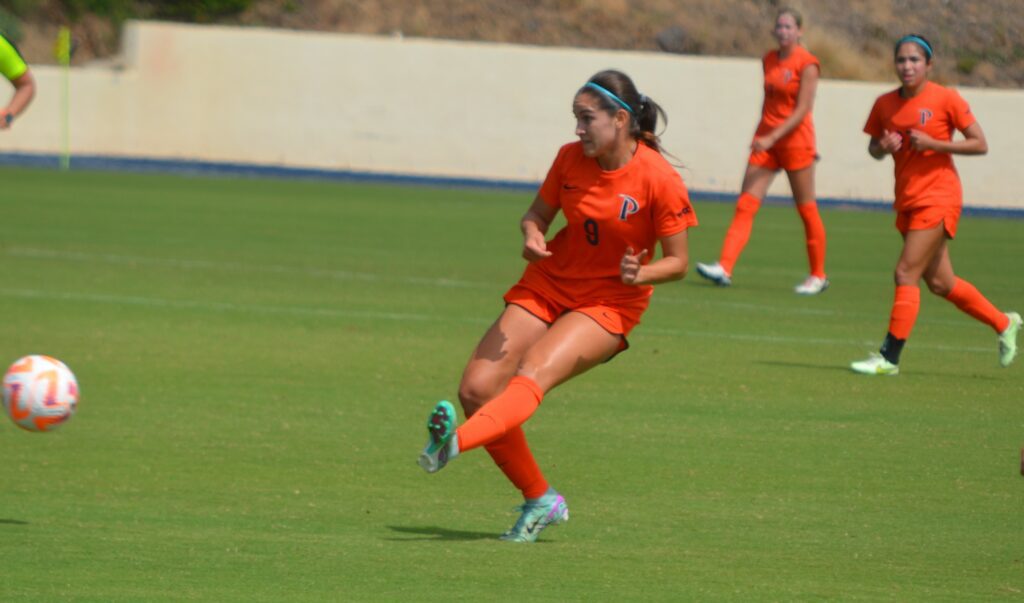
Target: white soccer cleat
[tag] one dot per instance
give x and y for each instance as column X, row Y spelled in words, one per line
column 876, row 364
column 812, row 285
column 1008, row 340
column 714, row 273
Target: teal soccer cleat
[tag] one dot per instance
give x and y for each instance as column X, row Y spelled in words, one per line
column 443, row 444
column 537, row 514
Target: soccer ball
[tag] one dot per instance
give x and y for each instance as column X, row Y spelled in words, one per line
column 40, row 393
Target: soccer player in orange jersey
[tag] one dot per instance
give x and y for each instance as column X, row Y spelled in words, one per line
column 582, row 292
column 784, row 140
column 915, row 125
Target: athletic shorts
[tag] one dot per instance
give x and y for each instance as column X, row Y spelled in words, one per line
column 791, row 160
column 548, row 303
column 929, row 216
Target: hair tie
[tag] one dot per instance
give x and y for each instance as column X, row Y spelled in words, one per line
column 643, row 100
column 609, row 94
column 916, row 40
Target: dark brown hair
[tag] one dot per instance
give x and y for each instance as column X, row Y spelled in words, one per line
column 642, row 110
column 792, row 12
column 917, row 39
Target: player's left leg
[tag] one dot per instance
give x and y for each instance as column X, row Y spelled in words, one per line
column 942, row 281
column 802, row 183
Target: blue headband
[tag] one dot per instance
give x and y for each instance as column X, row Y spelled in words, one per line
column 916, row 40
column 609, row 94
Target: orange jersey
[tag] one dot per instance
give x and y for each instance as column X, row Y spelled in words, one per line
column 606, row 212
column 922, row 177
column 782, row 79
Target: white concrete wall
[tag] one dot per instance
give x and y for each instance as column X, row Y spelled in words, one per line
column 450, row 109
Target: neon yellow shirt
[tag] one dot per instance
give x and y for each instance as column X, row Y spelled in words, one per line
column 12, row 66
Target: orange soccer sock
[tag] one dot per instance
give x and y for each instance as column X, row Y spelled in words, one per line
column 814, row 231
column 904, row 311
column 510, row 409
column 512, row 455
column 970, row 301
column 739, row 231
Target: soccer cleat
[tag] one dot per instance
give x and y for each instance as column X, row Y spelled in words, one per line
column 443, row 445
column 537, row 514
column 714, row 273
column 812, row 285
column 876, row 364
column 1008, row 340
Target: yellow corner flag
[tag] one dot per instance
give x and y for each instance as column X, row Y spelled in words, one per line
column 62, row 50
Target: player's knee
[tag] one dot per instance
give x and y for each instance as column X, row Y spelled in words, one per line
column 939, row 286
column 474, row 392
column 906, row 274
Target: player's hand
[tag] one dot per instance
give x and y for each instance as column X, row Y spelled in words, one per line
column 630, row 265
column 919, row 141
column 535, row 247
column 890, row 142
column 6, row 117
column 762, row 143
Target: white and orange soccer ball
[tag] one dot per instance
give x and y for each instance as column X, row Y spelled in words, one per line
column 40, row 393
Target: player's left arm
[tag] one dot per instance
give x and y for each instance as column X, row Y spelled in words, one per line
column 24, row 92
column 672, row 266
column 804, row 105
column 973, row 143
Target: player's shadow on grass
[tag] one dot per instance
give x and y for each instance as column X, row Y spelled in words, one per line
column 820, row 367
column 846, row 369
column 437, row 533
column 13, row 522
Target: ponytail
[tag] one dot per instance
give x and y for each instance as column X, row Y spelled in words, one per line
column 615, row 91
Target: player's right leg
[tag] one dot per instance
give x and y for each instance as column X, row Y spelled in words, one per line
column 756, row 181
column 490, row 367
column 920, row 249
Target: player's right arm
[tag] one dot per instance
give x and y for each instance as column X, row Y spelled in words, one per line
column 535, row 224
column 13, row 67
column 887, row 144
column 24, row 92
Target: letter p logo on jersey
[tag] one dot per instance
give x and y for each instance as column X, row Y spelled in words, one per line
column 629, row 207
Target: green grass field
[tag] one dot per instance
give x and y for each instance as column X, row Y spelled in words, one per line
column 257, row 359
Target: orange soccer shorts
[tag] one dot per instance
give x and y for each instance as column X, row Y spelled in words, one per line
column 929, row 216
column 791, row 160
column 539, row 295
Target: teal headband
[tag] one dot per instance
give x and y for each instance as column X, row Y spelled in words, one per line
column 916, row 40
column 609, row 94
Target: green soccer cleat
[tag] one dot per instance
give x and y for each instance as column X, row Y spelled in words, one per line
column 876, row 364
column 537, row 514
column 1008, row 340
column 443, row 444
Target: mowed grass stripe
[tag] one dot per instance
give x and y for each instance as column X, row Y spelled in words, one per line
column 257, row 358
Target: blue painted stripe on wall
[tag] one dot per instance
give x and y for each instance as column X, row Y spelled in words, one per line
column 214, row 168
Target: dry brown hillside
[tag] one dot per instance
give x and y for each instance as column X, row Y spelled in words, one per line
column 977, row 42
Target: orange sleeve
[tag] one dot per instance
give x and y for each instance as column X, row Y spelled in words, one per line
column 960, row 112
column 875, row 126
column 673, row 212
column 550, row 189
